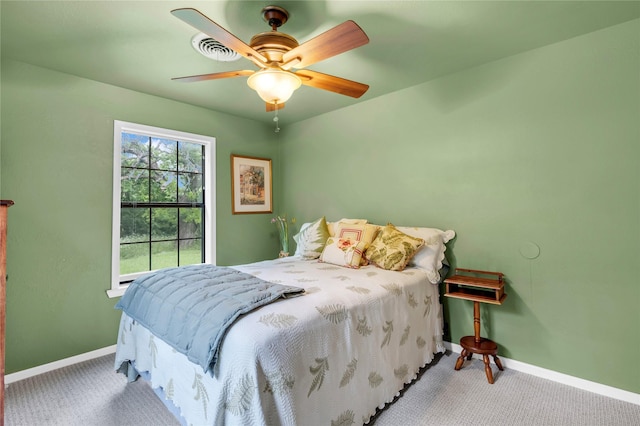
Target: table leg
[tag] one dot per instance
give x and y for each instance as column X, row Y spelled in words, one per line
column 460, row 360
column 498, row 362
column 487, row 368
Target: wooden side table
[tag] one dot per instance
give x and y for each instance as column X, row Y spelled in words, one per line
column 469, row 284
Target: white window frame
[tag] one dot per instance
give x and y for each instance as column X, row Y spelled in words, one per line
column 119, row 283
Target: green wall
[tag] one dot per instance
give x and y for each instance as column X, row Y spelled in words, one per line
column 540, row 148
column 57, row 155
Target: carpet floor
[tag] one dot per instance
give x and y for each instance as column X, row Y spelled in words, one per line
column 92, row 394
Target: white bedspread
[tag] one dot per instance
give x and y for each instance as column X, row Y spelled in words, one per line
column 331, row 356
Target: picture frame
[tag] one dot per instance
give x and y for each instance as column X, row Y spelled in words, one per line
column 251, row 185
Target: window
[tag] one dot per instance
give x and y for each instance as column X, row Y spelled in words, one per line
column 163, row 201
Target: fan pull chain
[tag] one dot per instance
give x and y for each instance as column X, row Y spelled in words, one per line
column 276, row 119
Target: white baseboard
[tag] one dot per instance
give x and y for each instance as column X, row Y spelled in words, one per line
column 523, row 367
column 575, row 382
column 25, row 374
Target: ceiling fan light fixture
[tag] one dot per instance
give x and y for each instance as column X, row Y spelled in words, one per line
column 274, row 85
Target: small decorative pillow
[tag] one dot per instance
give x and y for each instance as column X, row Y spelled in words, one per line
column 356, row 231
column 392, row 249
column 312, row 239
column 333, row 225
column 343, row 252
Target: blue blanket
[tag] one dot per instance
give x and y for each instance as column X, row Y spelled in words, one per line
column 191, row 307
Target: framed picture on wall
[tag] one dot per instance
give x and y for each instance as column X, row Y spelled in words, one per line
column 251, row 185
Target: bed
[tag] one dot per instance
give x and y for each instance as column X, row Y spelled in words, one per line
column 331, row 355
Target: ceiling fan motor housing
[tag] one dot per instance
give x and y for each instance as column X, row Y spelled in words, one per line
column 273, row 44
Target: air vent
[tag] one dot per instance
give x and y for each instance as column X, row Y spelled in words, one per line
column 213, row 49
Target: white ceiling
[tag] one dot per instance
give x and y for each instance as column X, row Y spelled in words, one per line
column 139, row 45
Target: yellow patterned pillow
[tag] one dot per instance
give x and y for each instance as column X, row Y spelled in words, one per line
column 356, row 231
column 333, row 225
column 343, row 252
column 392, row 249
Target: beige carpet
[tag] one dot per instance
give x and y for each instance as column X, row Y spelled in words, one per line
column 92, row 394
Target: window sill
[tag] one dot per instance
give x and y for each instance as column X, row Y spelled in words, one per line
column 113, row 293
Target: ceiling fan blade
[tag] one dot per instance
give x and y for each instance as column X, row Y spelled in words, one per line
column 272, row 107
column 214, row 76
column 200, row 22
column 337, row 40
column 332, row 83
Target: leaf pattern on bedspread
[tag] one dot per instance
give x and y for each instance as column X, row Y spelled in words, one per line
column 374, row 379
column 405, row 335
column 388, row 329
column 278, row 320
column 169, row 390
column 363, row 327
column 242, row 396
column 278, row 383
column 393, row 288
column 401, row 372
column 123, row 340
column 349, row 373
column 201, row 392
column 371, row 274
column 319, row 371
column 411, row 300
column 345, row 419
column 329, row 268
column 359, row 290
column 427, row 309
column 420, row 342
column 333, row 313
column 154, row 351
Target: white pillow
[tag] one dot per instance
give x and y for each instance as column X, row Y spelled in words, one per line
column 343, row 252
column 431, row 255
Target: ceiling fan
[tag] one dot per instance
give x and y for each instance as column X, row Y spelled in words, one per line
column 280, row 58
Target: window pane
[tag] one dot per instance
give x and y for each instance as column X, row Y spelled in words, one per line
column 164, row 154
column 134, row 225
column 164, row 254
column 134, row 150
column 189, row 188
column 164, row 224
column 163, row 187
column 134, row 185
column 191, row 252
column 190, row 157
column 190, row 223
column 157, row 172
column 134, row 258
